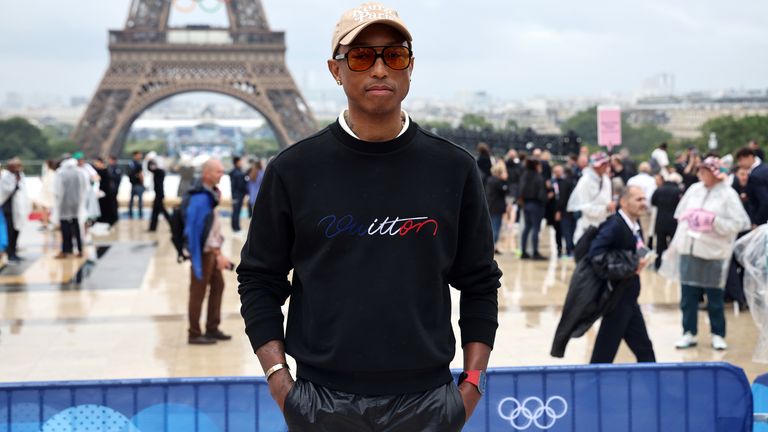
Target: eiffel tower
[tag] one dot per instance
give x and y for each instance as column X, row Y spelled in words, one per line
column 150, row 62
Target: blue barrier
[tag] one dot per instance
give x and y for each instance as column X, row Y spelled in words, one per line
column 686, row 397
column 760, row 396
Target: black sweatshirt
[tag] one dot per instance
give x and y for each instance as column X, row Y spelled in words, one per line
column 374, row 233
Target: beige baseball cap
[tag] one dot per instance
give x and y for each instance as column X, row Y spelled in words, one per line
column 355, row 20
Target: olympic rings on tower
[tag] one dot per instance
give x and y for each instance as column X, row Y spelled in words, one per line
column 180, row 5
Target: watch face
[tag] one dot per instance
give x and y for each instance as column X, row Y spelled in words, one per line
column 483, row 382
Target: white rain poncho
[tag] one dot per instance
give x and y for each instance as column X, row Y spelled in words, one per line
column 591, row 197
column 752, row 252
column 20, row 204
column 699, row 258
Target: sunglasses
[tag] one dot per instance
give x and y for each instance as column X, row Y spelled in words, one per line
column 360, row 59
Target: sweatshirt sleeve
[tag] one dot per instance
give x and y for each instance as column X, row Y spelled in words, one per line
column 265, row 262
column 473, row 271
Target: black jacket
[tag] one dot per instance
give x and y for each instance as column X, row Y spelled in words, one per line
column 565, row 186
column 238, row 183
column 496, row 191
column 757, row 193
column 533, row 188
column 597, row 281
column 158, row 178
column 666, row 198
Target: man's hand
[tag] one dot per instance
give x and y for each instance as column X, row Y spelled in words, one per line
column 470, row 396
column 280, row 384
column 476, row 355
column 642, row 264
column 222, row 262
column 558, row 216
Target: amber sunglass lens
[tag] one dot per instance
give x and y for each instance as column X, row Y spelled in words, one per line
column 397, row 58
column 360, row 59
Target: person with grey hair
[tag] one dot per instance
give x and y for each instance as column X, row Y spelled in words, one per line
column 15, row 204
column 625, row 321
column 204, row 240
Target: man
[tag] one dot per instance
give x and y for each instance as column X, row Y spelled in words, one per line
column 645, row 181
column 376, row 217
column 116, row 176
column 563, row 185
column 15, row 205
column 158, row 205
column 593, row 195
column 136, row 176
column 665, row 199
column 755, row 146
column 239, row 189
column 106, row 183
column 203, row 234
column 70, row 188
column 757, row 185
column 625, row 321
column 660, row 160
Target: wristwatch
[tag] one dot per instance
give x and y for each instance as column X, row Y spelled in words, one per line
column 477, row 378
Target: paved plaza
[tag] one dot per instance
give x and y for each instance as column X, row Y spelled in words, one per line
column 122, row 314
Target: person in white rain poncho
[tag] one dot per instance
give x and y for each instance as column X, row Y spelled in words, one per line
column 592, row 195
column 752, row 253
column 709, row 216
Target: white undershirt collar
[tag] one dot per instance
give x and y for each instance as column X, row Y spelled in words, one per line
column 347, row 129
column 634, row 226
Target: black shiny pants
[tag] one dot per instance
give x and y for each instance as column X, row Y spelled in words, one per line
column 311, row 407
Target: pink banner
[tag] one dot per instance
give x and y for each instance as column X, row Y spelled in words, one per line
column 609, row 126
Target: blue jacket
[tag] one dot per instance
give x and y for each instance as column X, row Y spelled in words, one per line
column 198, row 219
column 757, row 193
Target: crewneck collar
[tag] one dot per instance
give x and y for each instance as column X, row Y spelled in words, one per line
column 347, row 129
column 352, row 142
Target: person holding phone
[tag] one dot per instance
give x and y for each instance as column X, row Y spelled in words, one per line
column 625, row 321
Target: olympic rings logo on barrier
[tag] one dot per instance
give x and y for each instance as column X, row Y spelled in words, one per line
column 533, row 411
column 189, row 6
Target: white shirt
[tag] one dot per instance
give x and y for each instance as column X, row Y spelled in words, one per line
column 646, row 182
column 345, row 126
column 755, row 165
column 661, row 157
column 633, row 225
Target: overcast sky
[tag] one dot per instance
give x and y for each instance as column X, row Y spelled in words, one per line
column 510, row 48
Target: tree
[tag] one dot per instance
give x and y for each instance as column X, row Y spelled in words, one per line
column 59, row 139
column 18, row 137
column 475, row 122
column 733, row 133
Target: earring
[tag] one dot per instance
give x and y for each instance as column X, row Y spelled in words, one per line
column 338, row 81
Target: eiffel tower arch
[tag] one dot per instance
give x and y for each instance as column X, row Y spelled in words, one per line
column 150, row 62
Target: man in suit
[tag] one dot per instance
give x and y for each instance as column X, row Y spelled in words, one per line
column 757, row 185
column 622, row 232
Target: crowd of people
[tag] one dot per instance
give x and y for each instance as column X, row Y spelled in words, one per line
column 74, row 194
column 695, row 207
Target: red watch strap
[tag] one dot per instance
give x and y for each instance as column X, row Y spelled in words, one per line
column 473, row 376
